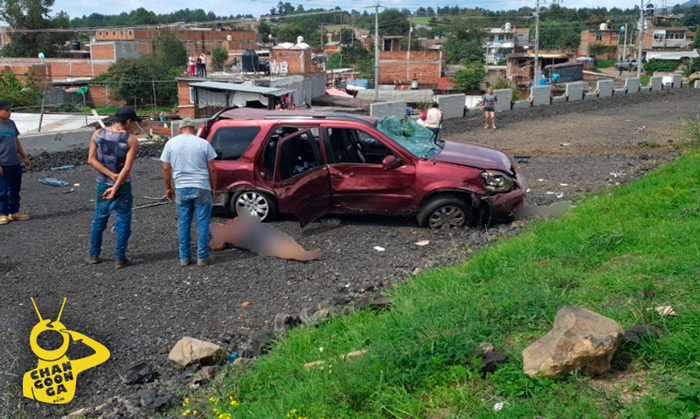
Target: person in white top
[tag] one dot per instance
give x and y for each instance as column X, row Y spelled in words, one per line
column 433, row 119
column 204, row 64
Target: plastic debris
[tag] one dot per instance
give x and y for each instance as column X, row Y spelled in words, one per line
column 423, row 243
column 66, row 167
column 52, row 181
column 498, row 406
column 564, row 144
column 379, row 248
column 233, row 356
column 664, row 311
column 564, row 184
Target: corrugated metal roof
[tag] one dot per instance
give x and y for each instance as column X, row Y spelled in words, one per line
column 234, row 87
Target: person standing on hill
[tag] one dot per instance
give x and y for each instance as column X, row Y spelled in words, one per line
column 12, row 156
column 112, row 153
column 488, row 105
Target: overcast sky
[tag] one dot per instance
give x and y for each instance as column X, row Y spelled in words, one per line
column 78, row 8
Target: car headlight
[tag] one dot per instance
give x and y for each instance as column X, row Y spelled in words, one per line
column 496, row 181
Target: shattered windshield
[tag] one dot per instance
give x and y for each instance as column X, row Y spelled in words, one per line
column 413, row 137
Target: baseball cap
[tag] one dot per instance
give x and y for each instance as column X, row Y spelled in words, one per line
column 5, row 105
column 127, row 113
column 187, row 123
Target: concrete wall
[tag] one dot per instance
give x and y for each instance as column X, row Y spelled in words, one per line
column 574, row 91
column 57, row 141
column 541, row 95
column 503, row 99
column 126, row 49
column 697, row 84
column 452, row 106
column 656, row 83
column 620, row 92
column 521, row 104
column 380, row 110
column 632, row 85
column 590, row 96
column 677, row 81
column 605, row 88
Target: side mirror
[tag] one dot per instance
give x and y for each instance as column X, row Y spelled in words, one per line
column 390, row 162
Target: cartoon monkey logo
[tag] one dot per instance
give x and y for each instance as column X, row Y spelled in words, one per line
column 54, row 379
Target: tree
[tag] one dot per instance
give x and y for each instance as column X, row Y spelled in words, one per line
column 336, row 61
column 696, row 41
column 393, row 22
column 219, row 56
column 470, row 78
column 458, row 51
column 33, row 15
column 289, row 33
column 355, row 52
column 169, row 50
column 19, row 94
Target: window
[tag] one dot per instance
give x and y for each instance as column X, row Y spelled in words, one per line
column 298, row 153
column 231, row 142
column 354, row 146
column 599, row 37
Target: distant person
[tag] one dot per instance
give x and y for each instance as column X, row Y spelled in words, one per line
column 433, row 119
column 203, row 59
column 198, row 66
column 555, row 78
column 488, row 105
column 619, row 67
column 112, row 153
column 191, row 65
column 12, row 156
column 189, row 161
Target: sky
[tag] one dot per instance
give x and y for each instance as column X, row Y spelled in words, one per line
column 78, row 8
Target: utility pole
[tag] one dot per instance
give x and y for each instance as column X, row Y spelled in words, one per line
column 408, row 54
column 376, row 52
column 641, row 39
column 624, row 46
column 536, row 75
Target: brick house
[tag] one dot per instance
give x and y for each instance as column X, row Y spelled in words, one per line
column 605, row 36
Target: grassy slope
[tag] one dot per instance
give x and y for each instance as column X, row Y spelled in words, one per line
column 599, row 256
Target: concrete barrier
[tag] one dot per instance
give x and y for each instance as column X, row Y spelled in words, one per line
column 380, row 110
column 558, row 99
column 619, row 92
column 452, row 105
column 677, row 81
column 52, row 142
column 504, row 98
column 632, row 85
column 590, row 96
column 645, row 89
column 656, row 83
column 541, row 95
column 697, row 84
column 574, row 91
column 605, row 88
column 521, row 104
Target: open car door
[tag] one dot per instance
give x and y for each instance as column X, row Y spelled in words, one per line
column 301, row 178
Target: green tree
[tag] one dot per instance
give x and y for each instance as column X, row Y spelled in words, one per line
column 470, row 78
column 696, row 41
column 169, row 50
column 458, row 51
column 219, row 56
column 393, row 22
column 20, row 95
column 33, row 16
column 289, row 33
column 336, row 61
column 355, row 52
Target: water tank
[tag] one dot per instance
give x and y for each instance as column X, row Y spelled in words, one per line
column 249, row 61
column 75, row 45
column 603, row 26
column 508, row 26
column 300, row 39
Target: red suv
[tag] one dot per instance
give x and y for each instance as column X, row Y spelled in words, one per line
column 312, row 163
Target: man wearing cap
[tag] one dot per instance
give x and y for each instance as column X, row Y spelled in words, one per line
column 11, row 157
column 112, row 153
column 189, row 161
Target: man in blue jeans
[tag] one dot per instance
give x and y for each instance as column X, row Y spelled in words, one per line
column 112, row 153
column 11, row 156
column 189, row 161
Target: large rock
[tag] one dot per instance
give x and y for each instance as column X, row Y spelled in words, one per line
column 194, row 351
column 580, row 340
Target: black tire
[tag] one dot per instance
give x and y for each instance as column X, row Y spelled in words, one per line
column 260, row 205
column 445, row 211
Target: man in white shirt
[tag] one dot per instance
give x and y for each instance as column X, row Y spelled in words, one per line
column 433, row 119
column 189, row 161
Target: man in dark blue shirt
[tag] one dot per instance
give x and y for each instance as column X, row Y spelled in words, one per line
column 11, row 157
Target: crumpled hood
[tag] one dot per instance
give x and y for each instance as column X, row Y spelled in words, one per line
column 474, row 155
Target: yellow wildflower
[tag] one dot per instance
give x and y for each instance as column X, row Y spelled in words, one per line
column 186, row 401
column 186, row 412
column 214, row 399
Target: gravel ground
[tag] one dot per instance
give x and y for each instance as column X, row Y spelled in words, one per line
column 141, row 311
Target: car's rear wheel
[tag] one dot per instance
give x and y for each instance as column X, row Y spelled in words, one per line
column 444, row 212
column 259, row 204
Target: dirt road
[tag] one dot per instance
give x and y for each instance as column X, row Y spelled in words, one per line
column 139, row 312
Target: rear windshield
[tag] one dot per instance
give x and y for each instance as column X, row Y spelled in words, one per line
column 231, row 142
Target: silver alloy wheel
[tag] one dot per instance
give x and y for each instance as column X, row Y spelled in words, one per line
column 449, row 216
column 255, row 203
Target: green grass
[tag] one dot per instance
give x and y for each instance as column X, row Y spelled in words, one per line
column 644, row 80
column 644, row 235
column 421, row 20
column 606, row 63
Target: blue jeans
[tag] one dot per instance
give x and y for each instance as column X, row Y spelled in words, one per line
column 195, row 201
column 10, row 183
column 122, row 204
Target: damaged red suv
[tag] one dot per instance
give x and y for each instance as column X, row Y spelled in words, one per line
column 310, row 164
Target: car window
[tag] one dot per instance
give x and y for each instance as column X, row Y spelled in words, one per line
column 230, row 143
column 299, row 153
column 354, row 146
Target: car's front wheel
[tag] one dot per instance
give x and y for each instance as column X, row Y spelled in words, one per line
column 259, row 204
column 445, row 211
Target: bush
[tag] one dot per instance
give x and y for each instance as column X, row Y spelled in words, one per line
column 470, row 78
column 692, row 67
column 219, row 56
column 661, row 65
